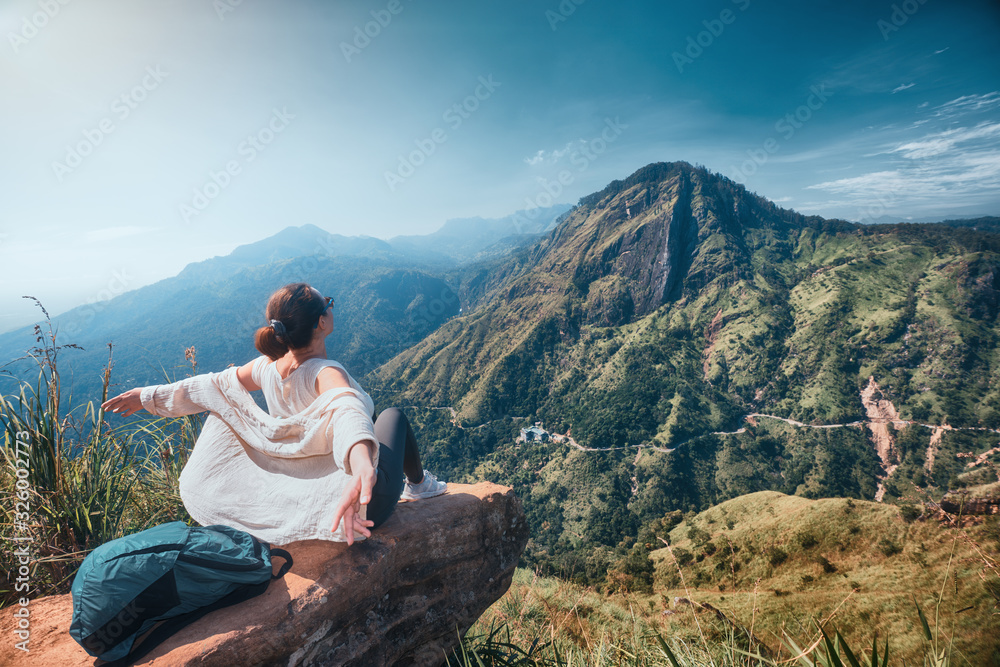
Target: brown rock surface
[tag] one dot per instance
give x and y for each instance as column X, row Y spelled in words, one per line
column 956, row 503
column 402, row 597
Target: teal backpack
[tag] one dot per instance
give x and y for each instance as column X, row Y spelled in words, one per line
column 172, row 573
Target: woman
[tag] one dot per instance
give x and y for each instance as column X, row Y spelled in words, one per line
column 274, row 470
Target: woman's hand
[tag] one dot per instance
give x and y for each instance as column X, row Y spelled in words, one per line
column 128, row 403
column 350, row 509
column 358, row 493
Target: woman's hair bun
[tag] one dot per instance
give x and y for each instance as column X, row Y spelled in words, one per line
column 292, row 315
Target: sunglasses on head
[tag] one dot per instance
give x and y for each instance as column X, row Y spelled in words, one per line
column 328, row 300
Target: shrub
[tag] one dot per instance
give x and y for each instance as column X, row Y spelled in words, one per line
column 828, row 567
column 776, row 556
column 807, row 540
column 682, row 555
column 697, row 535
column 888, row 547
column 910, row 513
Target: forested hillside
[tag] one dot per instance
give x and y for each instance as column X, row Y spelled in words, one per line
column 668, row 307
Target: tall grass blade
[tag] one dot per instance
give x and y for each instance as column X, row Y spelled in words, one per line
column 923, row 621
column 833, row 654
column 847, row 651
column 666, row 650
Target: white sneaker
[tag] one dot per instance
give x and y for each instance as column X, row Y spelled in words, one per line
column 428, row 488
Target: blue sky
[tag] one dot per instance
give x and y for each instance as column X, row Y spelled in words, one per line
column 141, row 136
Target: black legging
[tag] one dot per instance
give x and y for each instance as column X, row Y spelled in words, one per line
column 397, row 456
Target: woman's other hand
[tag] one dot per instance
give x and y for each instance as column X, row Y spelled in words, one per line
column 349, row 510
column 128, row 403
column 358, row 493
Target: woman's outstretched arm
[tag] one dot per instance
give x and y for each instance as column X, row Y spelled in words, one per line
column 130, row 402
column 357, row 493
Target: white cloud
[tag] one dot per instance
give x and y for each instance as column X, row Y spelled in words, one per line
column 537, row 158
column 555, row 155
column 968, row 104
column 942, row 142
column 945, row 169
column 942, row 181
column 864, row 185
column 942, row 50
column 903, row 86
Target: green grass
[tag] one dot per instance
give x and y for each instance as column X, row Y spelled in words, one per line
column 78, row 482
column 546, row 622
column 774, row 555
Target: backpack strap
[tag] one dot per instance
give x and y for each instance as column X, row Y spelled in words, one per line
column 288, row 562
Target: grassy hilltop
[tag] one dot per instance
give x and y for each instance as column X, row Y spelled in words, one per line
column 771, row 566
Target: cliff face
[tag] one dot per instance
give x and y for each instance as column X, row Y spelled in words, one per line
column 402, row 597
column 667, row 230
column 644, row 244
column 644, row 240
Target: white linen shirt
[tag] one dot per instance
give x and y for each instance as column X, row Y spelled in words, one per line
column 277, row 476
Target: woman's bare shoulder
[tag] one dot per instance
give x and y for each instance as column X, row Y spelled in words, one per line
column 331, row 377
column 245, row 375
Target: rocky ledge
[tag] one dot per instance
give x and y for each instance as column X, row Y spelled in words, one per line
column 960, row 503
column 402, row 597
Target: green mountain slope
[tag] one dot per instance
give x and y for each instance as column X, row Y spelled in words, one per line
column 665, row 309
column 775, row 310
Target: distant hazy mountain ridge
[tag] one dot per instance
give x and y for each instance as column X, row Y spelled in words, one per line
column 389, row 294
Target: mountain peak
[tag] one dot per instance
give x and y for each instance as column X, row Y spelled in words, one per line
column 660, row 172
column 654, row 172
column 668, row 229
